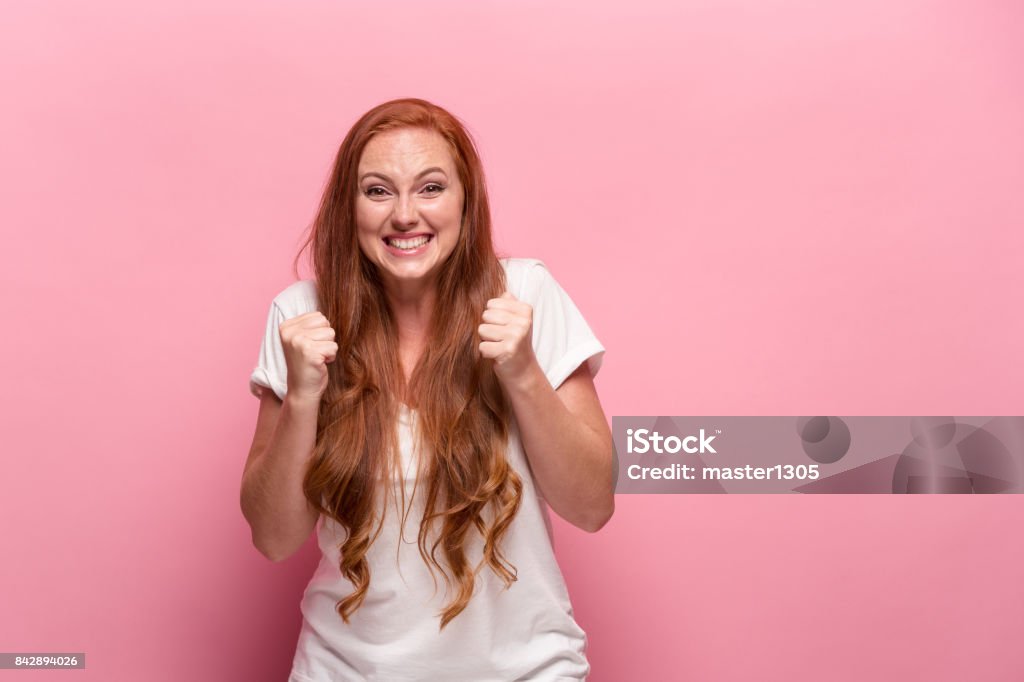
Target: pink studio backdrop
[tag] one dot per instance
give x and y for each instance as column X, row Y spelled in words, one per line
column 760, row 207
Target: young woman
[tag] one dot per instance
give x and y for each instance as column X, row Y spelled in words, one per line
column 428, row 401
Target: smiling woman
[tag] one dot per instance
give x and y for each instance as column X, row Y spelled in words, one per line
column 419, row 364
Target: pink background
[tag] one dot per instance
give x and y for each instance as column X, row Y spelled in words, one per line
column 761, row 208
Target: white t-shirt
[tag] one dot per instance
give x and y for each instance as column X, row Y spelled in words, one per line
column 524, row 633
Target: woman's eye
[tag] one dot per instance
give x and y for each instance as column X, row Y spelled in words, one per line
column 377, row 190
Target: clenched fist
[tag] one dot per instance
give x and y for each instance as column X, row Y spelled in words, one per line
column 309, row 345
column 507, row 334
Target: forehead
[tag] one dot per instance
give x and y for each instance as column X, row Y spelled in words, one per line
column 406, row 151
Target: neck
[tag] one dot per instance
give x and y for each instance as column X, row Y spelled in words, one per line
column 412, row 304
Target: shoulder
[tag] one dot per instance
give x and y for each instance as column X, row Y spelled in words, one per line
column 526, row 277
column 297, row 298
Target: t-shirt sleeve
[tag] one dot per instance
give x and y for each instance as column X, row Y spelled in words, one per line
column 271, row 370
column 562, row 339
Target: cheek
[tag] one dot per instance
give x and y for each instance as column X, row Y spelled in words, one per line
column 448, row 213
column 366, row 233
column 367, row 222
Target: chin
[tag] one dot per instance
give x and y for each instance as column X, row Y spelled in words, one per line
column 410, row 272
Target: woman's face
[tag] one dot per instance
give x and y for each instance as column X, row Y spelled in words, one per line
column 409, row 191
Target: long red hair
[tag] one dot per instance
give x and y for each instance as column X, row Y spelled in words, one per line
column 463, row 414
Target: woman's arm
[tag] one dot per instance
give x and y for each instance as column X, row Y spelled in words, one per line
column 564, row 432
column 567, row 442
column 272, row 499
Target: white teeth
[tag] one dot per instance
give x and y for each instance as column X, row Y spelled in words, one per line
column 408, row 244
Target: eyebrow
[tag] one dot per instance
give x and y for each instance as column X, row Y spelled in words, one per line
column 418, row 176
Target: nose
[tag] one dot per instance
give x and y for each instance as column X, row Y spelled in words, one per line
column 405, row 214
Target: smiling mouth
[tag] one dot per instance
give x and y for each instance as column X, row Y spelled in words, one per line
column 408, row 244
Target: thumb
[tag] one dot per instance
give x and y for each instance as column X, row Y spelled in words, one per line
column 508, row 295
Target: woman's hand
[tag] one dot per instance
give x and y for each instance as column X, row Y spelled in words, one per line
column 309, row 345
column 507, row 334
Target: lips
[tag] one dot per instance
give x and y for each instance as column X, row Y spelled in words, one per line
column 398, row 251
column 406, row 236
